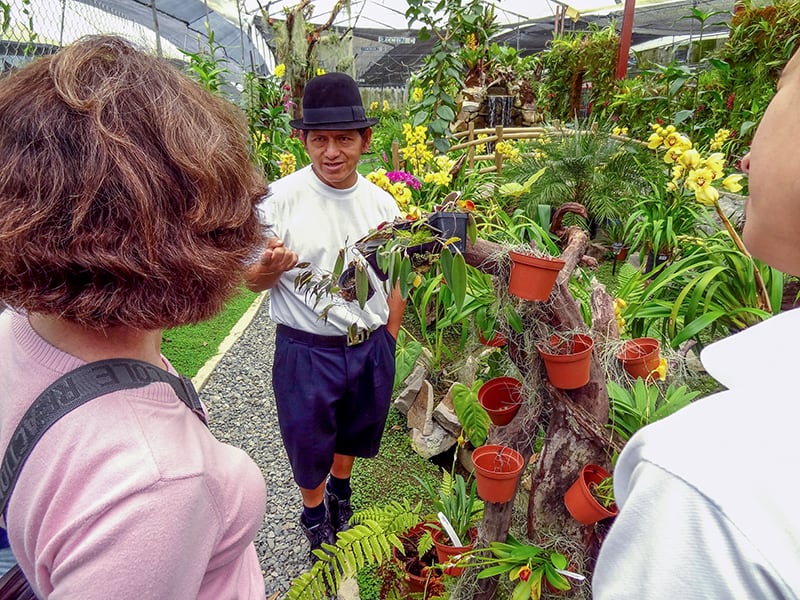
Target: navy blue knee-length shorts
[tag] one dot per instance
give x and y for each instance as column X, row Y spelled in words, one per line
column 331, row 399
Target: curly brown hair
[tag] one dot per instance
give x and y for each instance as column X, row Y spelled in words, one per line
column 127, row 193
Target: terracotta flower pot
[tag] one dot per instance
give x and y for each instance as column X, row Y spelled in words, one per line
column 640, row 356
column 501, row 398
column 497, row 471
column 412, row 582
column 498, row 340
column 567, row 362
column 580, row 502
column 445, row 551
column 532, row 278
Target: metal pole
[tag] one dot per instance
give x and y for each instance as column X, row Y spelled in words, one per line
column 155, row 28
column 625, row 38
column 63, row 16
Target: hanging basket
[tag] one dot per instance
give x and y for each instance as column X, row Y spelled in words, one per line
column 501, row 397
column 580, row 502
column 567, row 361
column 532, row 277
column 640, row 356
column 497, row 471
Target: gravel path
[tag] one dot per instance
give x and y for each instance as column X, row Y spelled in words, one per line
column 238, row 396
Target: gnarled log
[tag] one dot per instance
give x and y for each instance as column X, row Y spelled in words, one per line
column 574, row 420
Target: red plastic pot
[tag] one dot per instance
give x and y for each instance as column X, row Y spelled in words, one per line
column 640, row 356
column 446, row 551
column 501, row 397
column 580, row 502
column 568, row 362
column 532, row 277
column 498, row 340
column 497, row 471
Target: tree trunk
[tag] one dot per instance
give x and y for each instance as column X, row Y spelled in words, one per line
column 574, row 419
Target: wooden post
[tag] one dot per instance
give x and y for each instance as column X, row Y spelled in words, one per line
column 471, row 150
column 395, row 156
column 498, row 157
column 625, row 38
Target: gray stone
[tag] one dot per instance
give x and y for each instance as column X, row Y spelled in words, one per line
column 445, row 415
column 413, row 383
column 432, row 444
column 420, row 413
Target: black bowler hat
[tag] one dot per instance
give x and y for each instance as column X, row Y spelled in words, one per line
column 332, row 102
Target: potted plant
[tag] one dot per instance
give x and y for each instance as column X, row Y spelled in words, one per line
column 416, row 563
column 580, row 501
column 567, row 359
column 532, row 277
column 497, row 472
column 457, row 510
column 527, row 564
column 453, row 223
column 501, row 397
column 639, row 356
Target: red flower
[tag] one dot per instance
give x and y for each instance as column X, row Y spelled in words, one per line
column 525, row 573
column 731, row 98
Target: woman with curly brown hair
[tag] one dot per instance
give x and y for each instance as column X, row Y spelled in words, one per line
column 126, row 207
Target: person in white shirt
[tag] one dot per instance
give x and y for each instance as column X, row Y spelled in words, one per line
column 332, row 389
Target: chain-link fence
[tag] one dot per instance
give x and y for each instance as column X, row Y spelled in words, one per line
column 30, row 28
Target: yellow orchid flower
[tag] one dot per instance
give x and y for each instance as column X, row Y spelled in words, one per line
column 716, row 162
column 731, row 183
column 280, row 70
column 373, row 105
column 671, row 155
column 320, row 71
column 654, row 141
column 417, row 281
column 690, row 158
column 386, row 106
column 661, row 369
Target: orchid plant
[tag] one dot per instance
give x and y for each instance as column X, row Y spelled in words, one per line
column 700, row 176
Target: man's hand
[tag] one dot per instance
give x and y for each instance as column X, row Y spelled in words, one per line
column 275, row 260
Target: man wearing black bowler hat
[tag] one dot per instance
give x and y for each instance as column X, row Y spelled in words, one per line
column 332, row 388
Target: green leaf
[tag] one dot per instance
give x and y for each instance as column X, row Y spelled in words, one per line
column 446, row 113
column 474, row 418
column 362, row 285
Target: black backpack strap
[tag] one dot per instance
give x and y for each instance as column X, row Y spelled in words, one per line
column 73, row 389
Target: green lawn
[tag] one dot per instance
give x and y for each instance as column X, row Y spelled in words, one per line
column 189, row 347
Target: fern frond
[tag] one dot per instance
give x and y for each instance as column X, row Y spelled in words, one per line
column 368, row 542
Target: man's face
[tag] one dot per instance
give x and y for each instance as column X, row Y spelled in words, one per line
column 335, row 154
column 773, row 210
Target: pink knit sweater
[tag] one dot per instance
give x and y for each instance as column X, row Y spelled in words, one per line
column 129, row 496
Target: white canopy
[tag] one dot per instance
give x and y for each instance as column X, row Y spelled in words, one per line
column 390, row 14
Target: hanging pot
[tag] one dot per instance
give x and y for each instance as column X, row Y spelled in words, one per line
column 446, row 552
column 640, row 356
column 532, row 277
column 567, row 361
column 497, row 471
column 452, row 225
column 498, row 340
column 580, row 501
column 501, row 397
